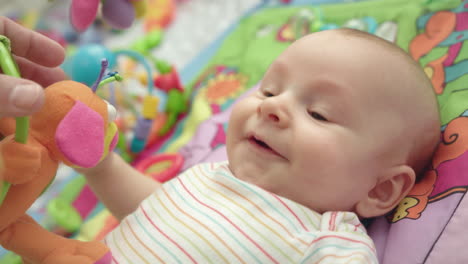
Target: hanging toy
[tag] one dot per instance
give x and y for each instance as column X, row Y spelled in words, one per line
column 119, row 14
column 176, row 103
column 75, row 127
column 144, row 123
column 85, row 63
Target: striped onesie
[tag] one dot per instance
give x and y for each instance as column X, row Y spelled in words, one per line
column 206, row 215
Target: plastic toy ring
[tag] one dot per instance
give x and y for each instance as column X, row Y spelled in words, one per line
column 161, row 167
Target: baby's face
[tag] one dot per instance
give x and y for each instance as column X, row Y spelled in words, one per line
column 318, row 128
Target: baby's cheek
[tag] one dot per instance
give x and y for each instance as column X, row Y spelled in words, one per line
column 327, row 155
column 320, row 146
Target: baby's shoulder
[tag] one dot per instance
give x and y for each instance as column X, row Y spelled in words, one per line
column 340, row 221
column 338, row 233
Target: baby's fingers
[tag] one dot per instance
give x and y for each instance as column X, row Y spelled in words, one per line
column 19, row 97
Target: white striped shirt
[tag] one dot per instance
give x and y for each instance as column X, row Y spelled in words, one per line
column 206, row 215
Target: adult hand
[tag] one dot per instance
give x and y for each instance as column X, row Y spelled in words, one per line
column 38, row 58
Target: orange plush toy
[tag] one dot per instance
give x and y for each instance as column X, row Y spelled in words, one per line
column 75, row 127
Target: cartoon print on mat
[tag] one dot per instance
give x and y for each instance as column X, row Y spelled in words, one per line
column 298, row 25
column 439, row 49
column 306, row 21
column 217, row 88
column 219, row 85
column 223, row 87
column 447, row 29
column 449, row 176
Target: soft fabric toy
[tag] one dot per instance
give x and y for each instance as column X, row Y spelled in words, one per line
column 75, row 127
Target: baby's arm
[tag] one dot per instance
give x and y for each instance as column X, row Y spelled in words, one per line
column 120, row 187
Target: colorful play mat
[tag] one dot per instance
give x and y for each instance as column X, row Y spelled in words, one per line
column 427, row 226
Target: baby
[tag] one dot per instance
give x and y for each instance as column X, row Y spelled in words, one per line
column 341, row 126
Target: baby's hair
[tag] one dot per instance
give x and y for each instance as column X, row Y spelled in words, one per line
column 427, row 136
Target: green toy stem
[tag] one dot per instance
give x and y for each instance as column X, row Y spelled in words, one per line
column 6, row 60
column 5, row 187
column 9, row 67
column 22, row 127
column 116, row 77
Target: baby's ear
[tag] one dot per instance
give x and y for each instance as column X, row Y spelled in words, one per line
column 392, row 186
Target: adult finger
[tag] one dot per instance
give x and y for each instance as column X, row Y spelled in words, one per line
column 19, row 97
column 32, row 45
column 44, row 76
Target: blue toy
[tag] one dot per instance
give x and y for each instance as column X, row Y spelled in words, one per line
column 86, row 62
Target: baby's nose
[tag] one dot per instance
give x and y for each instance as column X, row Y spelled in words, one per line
column 274, row 111
column 273, row 117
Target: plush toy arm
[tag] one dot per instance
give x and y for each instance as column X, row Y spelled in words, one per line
column 21, row 162
column 36, row 245
column 7, row 126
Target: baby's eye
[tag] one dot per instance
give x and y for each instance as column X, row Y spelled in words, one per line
column 317, row 116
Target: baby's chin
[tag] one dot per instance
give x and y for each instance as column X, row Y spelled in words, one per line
column 245, row 174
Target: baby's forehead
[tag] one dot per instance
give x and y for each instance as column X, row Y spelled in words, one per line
column 360, row 57
column 348, row 52
column 334, row 48
column 347, row 40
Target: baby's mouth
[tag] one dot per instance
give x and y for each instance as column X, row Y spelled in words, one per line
column 261, row 144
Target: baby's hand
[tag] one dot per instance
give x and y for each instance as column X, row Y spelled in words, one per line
column 21, row 162
column 100, row 166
